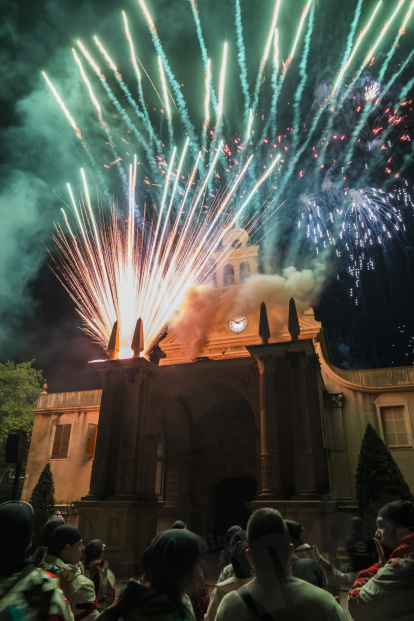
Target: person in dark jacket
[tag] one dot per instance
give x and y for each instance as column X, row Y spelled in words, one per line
column 26, row 592
column 47, row 531
column 304, row 561
column 173, row 572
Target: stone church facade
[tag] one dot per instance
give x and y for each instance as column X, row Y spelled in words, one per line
column 247, row 424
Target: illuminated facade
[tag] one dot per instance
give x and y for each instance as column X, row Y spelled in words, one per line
column 245, row 424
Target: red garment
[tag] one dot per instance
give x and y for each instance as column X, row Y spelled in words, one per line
column 200, row 603
column 405, row 548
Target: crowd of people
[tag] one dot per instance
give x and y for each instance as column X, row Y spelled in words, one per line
column 265, row 573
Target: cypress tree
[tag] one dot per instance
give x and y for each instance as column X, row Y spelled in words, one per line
column 378, row 478
column 43, row 502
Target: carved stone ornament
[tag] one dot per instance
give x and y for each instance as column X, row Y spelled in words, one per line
column 266, row 364
column 135, row 376
column 314, row 361
column 334, row 400
column 270, row 469
column 295, row 358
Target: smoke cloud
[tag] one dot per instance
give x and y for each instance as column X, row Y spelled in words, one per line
column 204, row 313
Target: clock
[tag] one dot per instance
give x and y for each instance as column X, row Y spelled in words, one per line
column 238, row 323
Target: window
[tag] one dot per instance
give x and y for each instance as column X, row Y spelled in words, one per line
column 244, row 270
column 394, row 426
column 61, row 442
column 91, row 440
column 228, row 273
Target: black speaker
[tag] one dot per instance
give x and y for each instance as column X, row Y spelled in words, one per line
column 16, row 446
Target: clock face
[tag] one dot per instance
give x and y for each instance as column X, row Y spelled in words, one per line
column 238, row 323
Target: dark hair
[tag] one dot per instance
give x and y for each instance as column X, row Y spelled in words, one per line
column 16, row 527
column 232, row 531
column 48, row 529
column 294, row 529
column 169, row 558
column 241, row 565
column 400, row 512
column 179, row 524
column 268, row 539
column 61, row 536
column 94, row 550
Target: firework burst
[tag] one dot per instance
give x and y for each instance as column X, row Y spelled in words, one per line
column 293, row 143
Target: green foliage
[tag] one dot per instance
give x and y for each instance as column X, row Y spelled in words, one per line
column 20, row 386
column 43, row 502
column 378, row 477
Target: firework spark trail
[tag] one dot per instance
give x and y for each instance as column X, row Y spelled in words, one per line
column 369, row 106
column 101, row 120
column 206, row 104
column 241, row 58
column 147, row 122
column 198, row 203
column 78, row 133
column 277, row 85
column 203, row 48
column 220, row 106
column 166, row 100
column 182, row 106
column 336, row 95
column 361, row 36
column 127, row 92
column 272, row 117
column 297, row 98
column 265, row 54
column 147, row 148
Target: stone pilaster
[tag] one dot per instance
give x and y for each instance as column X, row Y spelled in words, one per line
column 271, row 484
column 305, row 487
column 125, row 455
column 336, row 445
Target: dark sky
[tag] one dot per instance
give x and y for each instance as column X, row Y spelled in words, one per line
column 40, row 154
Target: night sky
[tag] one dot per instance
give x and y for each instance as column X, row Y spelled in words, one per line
column 40, row 154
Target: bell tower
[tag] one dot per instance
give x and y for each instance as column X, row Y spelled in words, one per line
column 237, row 258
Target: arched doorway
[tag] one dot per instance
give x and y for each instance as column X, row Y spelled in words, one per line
column 230, row 498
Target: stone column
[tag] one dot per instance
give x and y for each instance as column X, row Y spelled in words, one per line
column 106, row 449
column 305, row 484
column 146, row 445
column 136, row 375
column 336, row 447
column 271, row 483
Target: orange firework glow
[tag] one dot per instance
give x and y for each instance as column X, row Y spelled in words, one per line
column 119, row 271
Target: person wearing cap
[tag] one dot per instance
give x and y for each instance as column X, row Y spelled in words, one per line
column 273, row 594
column 47, row 531
column 26, row 592
column 241, row 575
column 96, row 569
column 304, row 562
column 385, row 590
column 62, row 559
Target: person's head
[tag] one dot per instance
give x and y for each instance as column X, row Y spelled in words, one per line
column 179, row 525
column 66, row 543
column 16, row 530
column 173, row 563
column 239, row 561
column 269, row 543
column 239, row 535
column 94, row 550
column 48, row 529
column 295, row 532
column 395, row 520
column 232, row 531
